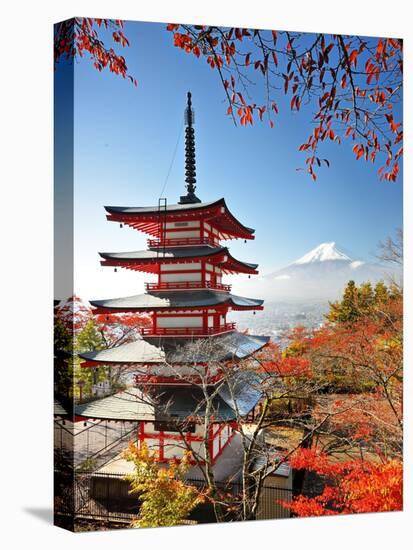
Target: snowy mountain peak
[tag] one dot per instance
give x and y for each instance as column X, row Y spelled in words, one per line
column 322, row 253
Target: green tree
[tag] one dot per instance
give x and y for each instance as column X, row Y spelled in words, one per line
column 165, row 499
column 89, row 339
column 365, row 299
column 63, row 371
column 381, row 293
column 347, row 309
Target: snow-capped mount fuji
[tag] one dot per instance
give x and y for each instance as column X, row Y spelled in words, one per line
column 323, row 253
column 321, row 274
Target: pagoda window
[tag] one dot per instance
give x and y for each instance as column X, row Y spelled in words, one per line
column 186, row 234
column 169, row 321
column 180, row 277
column 191, row 224
column 181, row 267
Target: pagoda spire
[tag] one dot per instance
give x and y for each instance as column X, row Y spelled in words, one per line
column 190, row 169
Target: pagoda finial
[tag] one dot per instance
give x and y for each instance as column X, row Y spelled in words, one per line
column 190, row 170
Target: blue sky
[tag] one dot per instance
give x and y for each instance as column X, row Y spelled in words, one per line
column 125, row 138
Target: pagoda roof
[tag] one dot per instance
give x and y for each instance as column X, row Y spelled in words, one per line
column 140, row 351
column 149, row 260
column 58, row 409
column 177, row 402
column 146, row 218
column 180, row 299
column 127, row 405
column 157, row 350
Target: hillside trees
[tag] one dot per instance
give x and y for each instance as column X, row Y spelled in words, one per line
column 360, row 353
column 78, row 329
column 353, row 486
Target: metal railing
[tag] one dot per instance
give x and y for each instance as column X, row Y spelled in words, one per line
column 104, row 497
column 186, row 331
column 186, row 285
column 95, row 444
column 183, row 241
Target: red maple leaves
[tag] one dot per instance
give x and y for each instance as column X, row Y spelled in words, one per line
column 80, row 35
column 352, row 487
column 353, row 82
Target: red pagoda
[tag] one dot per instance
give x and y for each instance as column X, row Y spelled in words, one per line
column 188, row 304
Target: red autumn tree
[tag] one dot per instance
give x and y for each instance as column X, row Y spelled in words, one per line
column 347, row 85
column 352, row 487
column 364, row 421
column 81, row 36
column 362, row 360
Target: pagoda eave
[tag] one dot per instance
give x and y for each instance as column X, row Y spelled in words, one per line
column 113, row 310
column 142, row 261
column 155, row 350
column 92, row 364
column 185, row 301
column 147, row 219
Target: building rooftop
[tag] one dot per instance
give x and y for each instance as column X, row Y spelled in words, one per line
column 147, row 218
column 156, row 350
column 151, row 258
column 177, row 299
column 241, row 392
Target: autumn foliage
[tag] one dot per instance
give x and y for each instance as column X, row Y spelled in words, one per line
column 350, row 83
column 352, row 487
column 80, row 37
column 358, row 358
column 165, row 498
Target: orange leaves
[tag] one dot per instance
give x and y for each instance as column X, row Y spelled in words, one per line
column 245, row 114
column 295, row 102
column 288, row 367
column 358, row 150
column 183, row 41
column 380, row 49
column 120, row 38
column 354, row 486
column 287, row 79
column 337, row 78
column 352, row 58
column 80, row 35
column 393, row 125
column 372, row 71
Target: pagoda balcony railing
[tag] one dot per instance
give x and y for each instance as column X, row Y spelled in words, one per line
column 186, row 285
column 184, row 241
column 187, row 331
